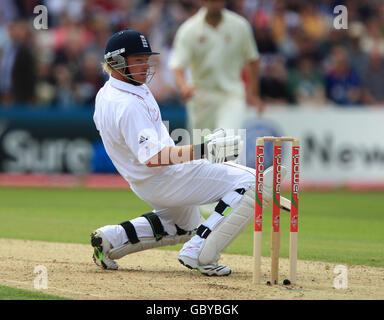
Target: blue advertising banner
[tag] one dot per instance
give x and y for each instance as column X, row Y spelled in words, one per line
column 59, row 140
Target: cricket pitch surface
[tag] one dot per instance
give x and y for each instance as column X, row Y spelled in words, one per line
column 157, row 275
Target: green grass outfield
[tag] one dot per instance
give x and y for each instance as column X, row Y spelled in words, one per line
column 8, row 293
column 341, row 227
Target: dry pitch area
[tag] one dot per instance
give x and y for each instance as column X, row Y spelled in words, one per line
column 156, row 274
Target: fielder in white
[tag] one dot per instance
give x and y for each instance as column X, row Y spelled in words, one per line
column 174, row 180
column 214, row 46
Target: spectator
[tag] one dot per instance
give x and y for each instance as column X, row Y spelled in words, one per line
column 334, row 38
column 88, row 80
column 122, row 14
column 373, row 39
column 64, row 95
column 69, row 42
column 366, row 9
column 264, row 40
column 306, row 83
column 342, row 82
column 59, row 8
column 373, row 79
column 357, row 56
column 8, row 11
column 307, row 45
column 97, row 24
column 18, row 66
column 274, row 88
column 78, row 29
column 313, row 23
column 45, row 87
column 283, row 20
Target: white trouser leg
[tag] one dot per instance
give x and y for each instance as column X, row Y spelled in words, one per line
column 223, row 230
column 175, row 196
column 193, row 247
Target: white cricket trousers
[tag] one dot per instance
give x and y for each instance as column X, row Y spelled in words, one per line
column 176, row 194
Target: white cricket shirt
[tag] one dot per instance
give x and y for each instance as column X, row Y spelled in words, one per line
column 129, row 122
column 215, row 55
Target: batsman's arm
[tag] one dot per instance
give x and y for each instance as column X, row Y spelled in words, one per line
column 171, row 155
column 177, row 154
column 215, row 150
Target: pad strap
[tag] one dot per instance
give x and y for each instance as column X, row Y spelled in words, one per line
column 156, row 225
column 203, row 231
column 221, row 208
column 130, row 231
column 242, row 214
column 241, row 191
column 224, row 208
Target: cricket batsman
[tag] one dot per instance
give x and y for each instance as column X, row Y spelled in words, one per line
column 173, row 180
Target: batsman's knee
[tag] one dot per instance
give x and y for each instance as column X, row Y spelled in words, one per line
column 159, row 238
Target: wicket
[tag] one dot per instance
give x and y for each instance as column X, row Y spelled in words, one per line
column 275, row 230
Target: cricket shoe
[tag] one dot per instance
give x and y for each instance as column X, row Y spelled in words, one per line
column 101, row 248
column 213, row 269
column 189, row 257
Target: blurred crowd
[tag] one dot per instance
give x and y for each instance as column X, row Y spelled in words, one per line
column 304, row 59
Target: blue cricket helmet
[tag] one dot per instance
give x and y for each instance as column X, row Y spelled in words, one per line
column 127, row 42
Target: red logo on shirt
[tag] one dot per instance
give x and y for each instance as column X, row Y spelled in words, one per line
column 156, row 113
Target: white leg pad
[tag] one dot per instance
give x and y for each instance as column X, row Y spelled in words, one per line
column 268, row 184
column 242, row 214
column 229, row 228
column 148, row 243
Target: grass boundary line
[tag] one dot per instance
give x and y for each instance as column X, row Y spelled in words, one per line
column 28, row 287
